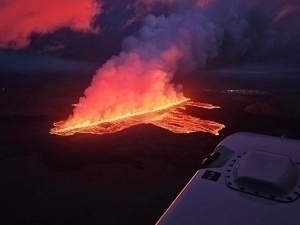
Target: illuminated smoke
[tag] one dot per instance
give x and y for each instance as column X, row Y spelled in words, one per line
column 22, row 18
column 140, row 77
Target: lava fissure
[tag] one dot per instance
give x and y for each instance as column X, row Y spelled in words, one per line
column 170, row 116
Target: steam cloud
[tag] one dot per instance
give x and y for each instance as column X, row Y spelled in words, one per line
column 140, row 77
column 22, row 18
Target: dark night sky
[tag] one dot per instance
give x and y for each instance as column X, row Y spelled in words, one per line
column 259, row 32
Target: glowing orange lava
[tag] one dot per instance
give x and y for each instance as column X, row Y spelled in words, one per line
column 170, row 116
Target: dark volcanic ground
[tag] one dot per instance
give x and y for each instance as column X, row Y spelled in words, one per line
column 129, row 177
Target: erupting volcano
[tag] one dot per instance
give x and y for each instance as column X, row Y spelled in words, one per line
column 136, row 86
column 132, row 89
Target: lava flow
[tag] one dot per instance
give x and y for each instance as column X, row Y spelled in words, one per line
column 170, row 116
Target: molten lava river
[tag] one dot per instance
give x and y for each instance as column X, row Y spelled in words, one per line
column 171, row 116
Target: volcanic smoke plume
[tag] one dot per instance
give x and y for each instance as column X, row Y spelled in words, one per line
column 139, row 79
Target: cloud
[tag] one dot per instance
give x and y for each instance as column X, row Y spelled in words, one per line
column 286, row 10
column 199, row 3
column 203, row 3
column 22, row 18
column 153, row 2
column 143, row 7
column 54, row 47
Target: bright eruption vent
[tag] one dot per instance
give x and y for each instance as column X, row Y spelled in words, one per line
column 170, row 117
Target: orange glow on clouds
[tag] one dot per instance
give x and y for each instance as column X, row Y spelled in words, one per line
column 22, row 18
